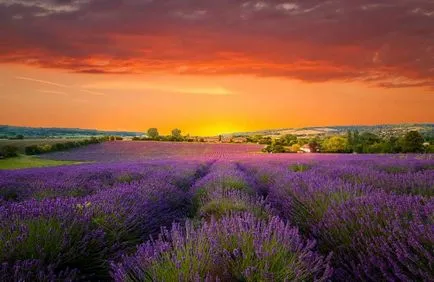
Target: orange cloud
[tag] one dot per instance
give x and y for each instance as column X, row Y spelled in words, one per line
column 376, row 42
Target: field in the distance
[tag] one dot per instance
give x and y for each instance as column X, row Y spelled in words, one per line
column 217, row 212
column 148, row 150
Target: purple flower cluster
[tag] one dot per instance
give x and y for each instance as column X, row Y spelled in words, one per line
column 235, row 216
column 225, row 190
column 238, row 248
column 381, row 237
column 374, row 215
column 84, row 180
column 46, row 239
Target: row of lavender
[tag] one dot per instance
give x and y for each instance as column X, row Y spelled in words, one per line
column 255, row 219
column 233, row 235
column 376, row 216
column 68, row 223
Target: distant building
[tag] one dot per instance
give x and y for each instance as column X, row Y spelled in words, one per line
column 305, row 149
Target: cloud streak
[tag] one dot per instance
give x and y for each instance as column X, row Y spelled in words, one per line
column 309, row 40
column 41, row 81
column 61, row 93
column 126, row 85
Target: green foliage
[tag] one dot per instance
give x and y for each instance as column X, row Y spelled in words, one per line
column 254, row 139
column 377, row 148
column 308, row 211
column 369, row 138
column 429, row 149
column 413, row 142
column 53, row 242
column 289, row 139
column 221, row 207
column 8, row 151
column 176, row 135
column 125, row 178
column 265, row 141
column 46, row 148
column 299, row 167
column 153, row 133
column 233, row 184
column 44, row 238
column 49, row 194
column 197, row 257
column 335, row 144
column 274, row 148
column 23, row 161
column 117, row 138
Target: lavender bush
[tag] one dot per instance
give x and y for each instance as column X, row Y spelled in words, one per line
column 381, row 237
column 240, row 248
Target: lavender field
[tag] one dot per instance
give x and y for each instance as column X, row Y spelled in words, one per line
column 218, row 213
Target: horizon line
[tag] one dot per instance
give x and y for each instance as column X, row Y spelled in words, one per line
column 226, row 133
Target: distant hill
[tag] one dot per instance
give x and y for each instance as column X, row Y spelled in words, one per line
column 43, row 132
column 382, row 130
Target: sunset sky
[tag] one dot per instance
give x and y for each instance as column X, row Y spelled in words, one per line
column 215, row 66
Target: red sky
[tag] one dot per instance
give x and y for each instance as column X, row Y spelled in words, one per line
column 209, row 66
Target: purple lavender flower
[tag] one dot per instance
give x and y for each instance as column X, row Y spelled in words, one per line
column 191, row 255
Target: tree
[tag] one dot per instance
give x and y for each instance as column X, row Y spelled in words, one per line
column 335, row 144
column 394, row 144
column 153, row 133
column 274, row 148
column 350, row 138
column 176, row 134
column 265, row 141
column 413, row 142
column 368, row 138
column 290, row 139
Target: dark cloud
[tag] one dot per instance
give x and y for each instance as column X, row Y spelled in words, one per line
column 390, row 43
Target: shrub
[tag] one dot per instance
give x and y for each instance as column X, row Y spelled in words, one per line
column 9, row 151
column 240, row 248
column 274, row 148
column 380, row 238
column 32, row 150
column 53, row 234
column 46, row 148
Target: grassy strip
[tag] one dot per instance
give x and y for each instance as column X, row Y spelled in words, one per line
column 23, row 161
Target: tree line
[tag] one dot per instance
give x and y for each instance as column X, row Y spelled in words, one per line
column 9, row 151
column 153, row 135
column 352, row 142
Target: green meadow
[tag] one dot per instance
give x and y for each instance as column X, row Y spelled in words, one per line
column 23, row 161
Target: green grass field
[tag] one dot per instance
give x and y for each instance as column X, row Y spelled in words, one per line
column 24, row 161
